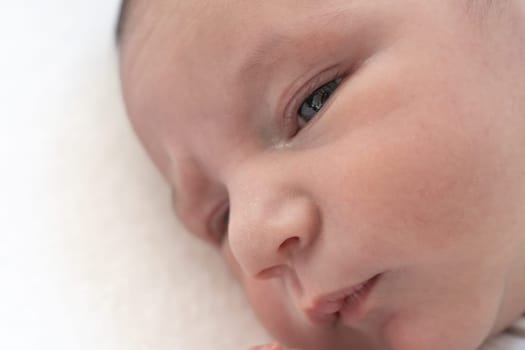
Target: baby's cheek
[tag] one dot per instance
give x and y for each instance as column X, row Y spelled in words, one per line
column 231, row 261
column 425, row 188
column 448, row 193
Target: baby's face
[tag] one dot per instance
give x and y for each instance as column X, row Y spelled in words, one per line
column 349, row 141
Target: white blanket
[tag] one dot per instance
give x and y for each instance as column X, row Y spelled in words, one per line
column 512, row 339
column 90, row 255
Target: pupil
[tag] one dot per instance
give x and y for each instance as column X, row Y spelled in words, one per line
column 316, row 100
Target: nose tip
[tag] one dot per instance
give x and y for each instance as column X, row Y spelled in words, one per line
column 268, row 234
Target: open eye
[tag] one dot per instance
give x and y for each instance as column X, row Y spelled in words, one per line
column 313, row 103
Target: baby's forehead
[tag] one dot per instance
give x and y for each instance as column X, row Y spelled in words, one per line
column 191, row 19
column 189, row 29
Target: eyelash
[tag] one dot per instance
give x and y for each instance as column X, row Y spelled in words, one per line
column 291, row 115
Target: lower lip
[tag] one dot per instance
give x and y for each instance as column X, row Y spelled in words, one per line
column 354, row 308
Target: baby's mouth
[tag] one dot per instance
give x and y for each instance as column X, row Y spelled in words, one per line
column 346, row 304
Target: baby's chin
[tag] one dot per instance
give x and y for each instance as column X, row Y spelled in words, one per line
column 438, row 327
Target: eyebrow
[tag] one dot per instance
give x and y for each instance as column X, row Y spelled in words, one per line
column 267, row 44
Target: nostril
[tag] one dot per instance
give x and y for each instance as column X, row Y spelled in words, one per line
column 271, row 272
column 279, row 268
column 289, row 244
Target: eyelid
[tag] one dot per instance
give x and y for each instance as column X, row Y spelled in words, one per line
column 290, row 112
column 216, row 227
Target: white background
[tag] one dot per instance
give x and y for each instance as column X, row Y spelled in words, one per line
column 90, row 254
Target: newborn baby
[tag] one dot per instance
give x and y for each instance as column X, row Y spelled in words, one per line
column 359, row 163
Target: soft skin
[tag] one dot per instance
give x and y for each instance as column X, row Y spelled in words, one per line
column 413, row 168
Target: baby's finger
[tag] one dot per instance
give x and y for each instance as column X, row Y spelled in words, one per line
column 267, row 347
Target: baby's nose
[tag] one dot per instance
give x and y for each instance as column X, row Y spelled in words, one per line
column 270, row 229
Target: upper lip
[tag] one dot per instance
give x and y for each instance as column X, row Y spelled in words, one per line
column 325, row 306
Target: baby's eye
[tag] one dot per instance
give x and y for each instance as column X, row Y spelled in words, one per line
column 220, row 227
column 313, row 104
